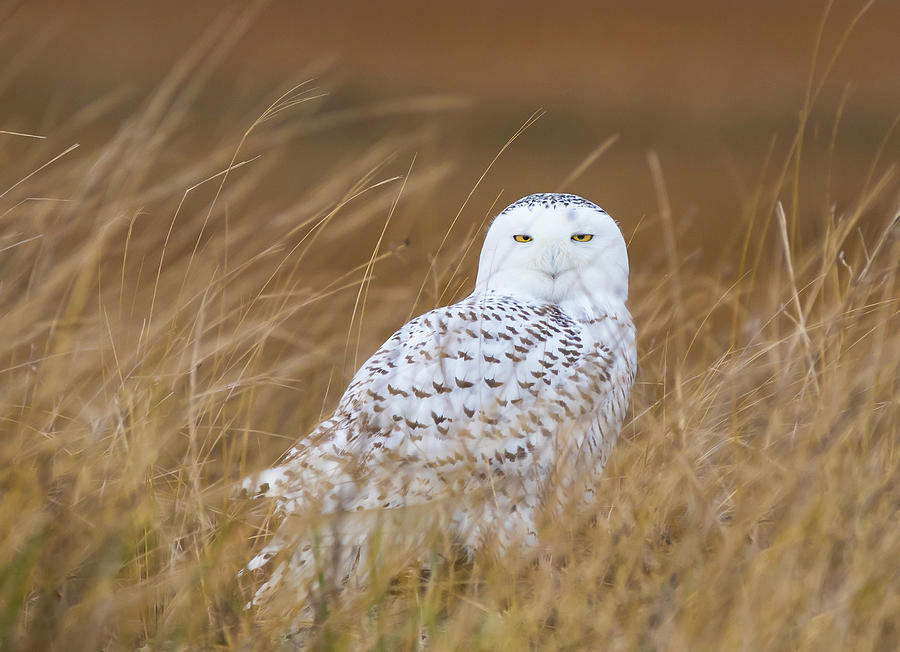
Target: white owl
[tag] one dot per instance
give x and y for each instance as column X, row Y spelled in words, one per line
column 472, row 418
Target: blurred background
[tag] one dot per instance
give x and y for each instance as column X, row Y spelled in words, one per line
column 715, row 88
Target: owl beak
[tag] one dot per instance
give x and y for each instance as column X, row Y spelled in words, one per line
column 552, row 261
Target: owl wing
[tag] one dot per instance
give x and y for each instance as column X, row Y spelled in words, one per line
column 491, row 387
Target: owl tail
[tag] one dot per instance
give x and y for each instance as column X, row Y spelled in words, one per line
column 305, row 573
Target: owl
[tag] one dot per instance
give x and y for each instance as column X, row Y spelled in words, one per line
column 473, row 419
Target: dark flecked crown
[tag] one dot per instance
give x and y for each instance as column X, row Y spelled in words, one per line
column 551, row 200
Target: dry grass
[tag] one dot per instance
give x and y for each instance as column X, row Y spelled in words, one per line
column 164, row 331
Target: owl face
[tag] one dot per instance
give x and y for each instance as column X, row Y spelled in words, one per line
column 556, row 249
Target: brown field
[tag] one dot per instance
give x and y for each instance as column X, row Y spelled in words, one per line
column 212, row 212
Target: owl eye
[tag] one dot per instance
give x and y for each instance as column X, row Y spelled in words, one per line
column 582, row 237
column 522, row 238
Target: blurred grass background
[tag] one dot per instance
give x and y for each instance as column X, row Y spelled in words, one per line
column 168, row 326
column 710, row 86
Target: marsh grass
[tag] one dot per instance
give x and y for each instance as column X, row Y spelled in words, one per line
column 165, row 331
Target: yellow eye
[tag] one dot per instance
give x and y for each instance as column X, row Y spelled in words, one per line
column 522, row 238
column 582, row 237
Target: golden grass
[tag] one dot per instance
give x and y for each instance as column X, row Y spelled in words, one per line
column 164, row 332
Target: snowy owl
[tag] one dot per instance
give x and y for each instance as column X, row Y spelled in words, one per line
column 472, row 418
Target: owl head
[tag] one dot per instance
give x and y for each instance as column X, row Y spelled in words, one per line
column 555, row 248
